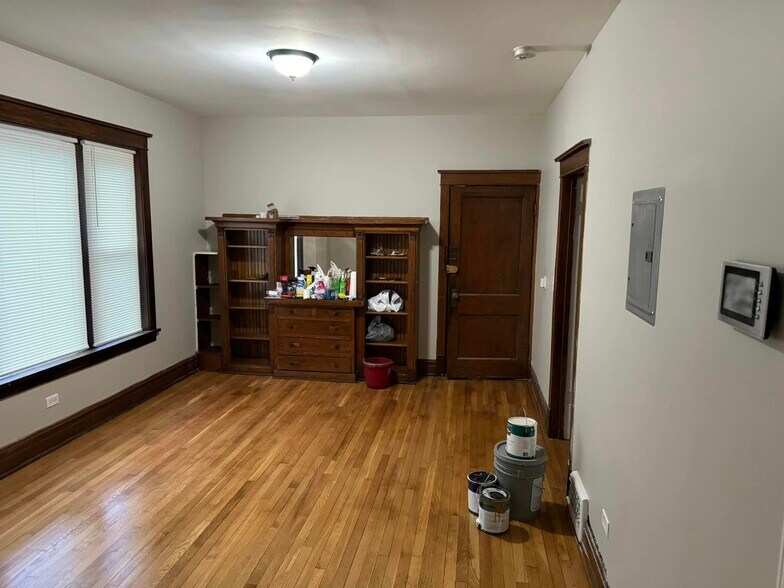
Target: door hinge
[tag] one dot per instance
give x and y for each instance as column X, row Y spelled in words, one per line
column 451, row 269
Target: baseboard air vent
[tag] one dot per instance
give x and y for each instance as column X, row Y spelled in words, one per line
column 577, row 500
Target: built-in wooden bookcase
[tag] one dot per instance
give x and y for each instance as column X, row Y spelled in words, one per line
column 248, row 255
column 206, row 280
column 253, row 252
column 390, row 263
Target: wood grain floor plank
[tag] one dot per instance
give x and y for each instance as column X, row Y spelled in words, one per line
column 230, row 480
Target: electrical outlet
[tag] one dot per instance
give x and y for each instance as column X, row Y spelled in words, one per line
column 52, row 400
column 605, row 524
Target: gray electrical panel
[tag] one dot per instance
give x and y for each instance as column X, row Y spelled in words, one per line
column 644, row 250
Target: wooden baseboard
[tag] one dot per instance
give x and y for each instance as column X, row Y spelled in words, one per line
column 426, row 367
column 23, row 452
column 440, row 365
column 594, row 564
column 541, row 403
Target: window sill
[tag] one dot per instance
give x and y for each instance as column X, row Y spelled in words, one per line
column 57, row 368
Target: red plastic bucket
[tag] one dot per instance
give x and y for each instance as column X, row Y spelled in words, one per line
column 378, row 372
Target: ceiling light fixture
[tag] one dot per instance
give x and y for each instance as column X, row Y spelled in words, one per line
column 292, row 63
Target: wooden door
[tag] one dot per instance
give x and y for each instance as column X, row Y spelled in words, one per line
column 491, row 245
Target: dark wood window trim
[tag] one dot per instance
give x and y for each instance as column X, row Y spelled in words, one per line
column 43, row 118
column 62, row 366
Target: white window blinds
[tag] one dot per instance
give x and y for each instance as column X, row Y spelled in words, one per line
column 42, row 311
column 110, row 198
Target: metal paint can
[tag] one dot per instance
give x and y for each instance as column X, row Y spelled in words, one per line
column 521, row 437
column 493, row 511
column 477, row 481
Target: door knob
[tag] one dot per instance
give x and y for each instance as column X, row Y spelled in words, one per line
column 455, row 297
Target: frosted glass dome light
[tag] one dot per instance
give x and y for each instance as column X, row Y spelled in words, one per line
column 292, row 63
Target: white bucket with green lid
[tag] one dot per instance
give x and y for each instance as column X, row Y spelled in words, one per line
column 521, row 437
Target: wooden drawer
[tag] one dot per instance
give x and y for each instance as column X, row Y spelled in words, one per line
column 284, row 311
column 305, row 328
column 338, row 314
column 310, row 363
column 299, row 345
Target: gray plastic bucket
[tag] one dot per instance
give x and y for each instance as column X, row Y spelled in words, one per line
column 523, row 478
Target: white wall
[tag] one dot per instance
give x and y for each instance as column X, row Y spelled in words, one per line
column 374, row 166
column 176, row 200
column 678, row 428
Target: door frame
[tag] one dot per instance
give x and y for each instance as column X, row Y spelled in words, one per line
column 573, row 164
column 449, row 178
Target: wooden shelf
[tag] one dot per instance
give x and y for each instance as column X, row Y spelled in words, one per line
column 212, row 317
column 384, row 313
column 396, row 343
column 250, row 361
column 250, row 337
column 264, row 307
column 386, row 257
column 387, row 281
column 250, row 365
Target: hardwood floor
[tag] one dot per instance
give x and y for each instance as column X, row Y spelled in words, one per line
column 245, row 481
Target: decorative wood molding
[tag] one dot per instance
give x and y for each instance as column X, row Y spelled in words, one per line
column 427, row 367
column 28, row 114
column 592, row 558
column 516, row 177
column 573, row 149
column 25, row 451
column 573, row 166
column 541, row 403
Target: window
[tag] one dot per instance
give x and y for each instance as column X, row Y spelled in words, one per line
column 110, row 201
column 76, row 283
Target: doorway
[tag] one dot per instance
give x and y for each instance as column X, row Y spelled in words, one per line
column 567, row 282
column 488, row 231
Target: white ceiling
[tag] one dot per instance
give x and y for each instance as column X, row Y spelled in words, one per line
column 378, row 57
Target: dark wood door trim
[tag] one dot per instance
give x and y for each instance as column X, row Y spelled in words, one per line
column 573, row 165
column 448, row 179
column 525, row 177
column 583, row 145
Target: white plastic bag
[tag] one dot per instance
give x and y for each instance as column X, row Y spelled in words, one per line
column 385, row 301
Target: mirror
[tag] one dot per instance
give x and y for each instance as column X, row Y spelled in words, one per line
column 312, row 251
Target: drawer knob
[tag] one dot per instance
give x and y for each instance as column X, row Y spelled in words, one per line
column 293, row 344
